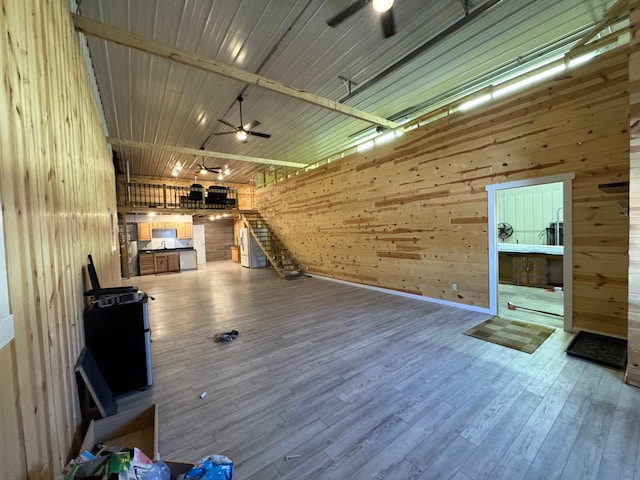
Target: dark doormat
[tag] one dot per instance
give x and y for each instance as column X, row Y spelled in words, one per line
column 599, row 348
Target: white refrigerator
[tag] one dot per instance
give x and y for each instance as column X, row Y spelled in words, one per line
column 251, row 255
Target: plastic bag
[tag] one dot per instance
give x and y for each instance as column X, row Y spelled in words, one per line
column 158, row 471
column 215, row 467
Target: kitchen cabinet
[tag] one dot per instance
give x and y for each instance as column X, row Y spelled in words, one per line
column 185, row 230
column 531, row 271
column 173, row 262
column 235, row 253
column 161, row 262
column 163, row 225
column 144, row 231
column 167, row 262
column 146, row 263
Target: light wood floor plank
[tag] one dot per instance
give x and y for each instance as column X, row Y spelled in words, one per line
column 609, row 470
column 490, row 453
column 367, row 385
column 447, row 465
column 535, row 431
column 482, row 424
column 586, row 455
column 552, row 456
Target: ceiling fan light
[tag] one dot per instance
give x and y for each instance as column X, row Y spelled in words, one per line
column 220, row 176
column 382, row 5
column 203, row 171
column 242, row 135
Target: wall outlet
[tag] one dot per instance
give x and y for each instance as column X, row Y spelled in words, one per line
column 454, row 286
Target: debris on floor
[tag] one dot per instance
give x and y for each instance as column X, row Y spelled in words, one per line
column 225, row 337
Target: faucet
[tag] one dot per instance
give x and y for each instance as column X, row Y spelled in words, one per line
column 162, row 245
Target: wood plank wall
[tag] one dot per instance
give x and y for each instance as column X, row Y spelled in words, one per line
column 633, row 365
column 57, row 191
column 218, row 237
column 412, row 215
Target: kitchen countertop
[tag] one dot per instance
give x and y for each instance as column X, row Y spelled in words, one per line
column 521, row 248
column 160, row 250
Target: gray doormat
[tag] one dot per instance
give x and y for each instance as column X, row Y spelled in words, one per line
column 599, row 348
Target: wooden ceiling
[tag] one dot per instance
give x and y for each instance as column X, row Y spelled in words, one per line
column 163, row 98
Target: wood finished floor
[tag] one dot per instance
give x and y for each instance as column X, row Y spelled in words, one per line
column 532, row 298
column 365, row 385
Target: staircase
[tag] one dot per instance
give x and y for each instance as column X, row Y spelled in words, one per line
column 276, row 252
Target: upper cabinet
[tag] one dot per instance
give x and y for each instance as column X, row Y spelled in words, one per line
column 144, row 231
column 163, row 225
column 185, row 230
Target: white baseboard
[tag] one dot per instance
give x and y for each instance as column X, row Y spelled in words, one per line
column 439, row 301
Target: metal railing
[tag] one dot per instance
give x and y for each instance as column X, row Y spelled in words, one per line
column 195, row 197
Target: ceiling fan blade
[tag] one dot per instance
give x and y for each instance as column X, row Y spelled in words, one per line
column 388, row 25
column 251, row 125
column 347, row 12
column 222, row 133
column 258, row 134
column 228, row 124
column 202, row 166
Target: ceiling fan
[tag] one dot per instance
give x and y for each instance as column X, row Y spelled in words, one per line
column 384, row 7
column 243, row 131
column 202, row 168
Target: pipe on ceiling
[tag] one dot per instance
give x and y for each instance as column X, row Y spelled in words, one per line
column 421, row 49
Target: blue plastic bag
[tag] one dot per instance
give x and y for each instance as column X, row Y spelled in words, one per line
column 215, row 467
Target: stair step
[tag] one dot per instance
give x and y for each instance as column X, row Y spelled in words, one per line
column 279, row 257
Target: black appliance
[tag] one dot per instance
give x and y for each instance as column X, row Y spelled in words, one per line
column 116, row 328
column 551, row 234
column 119, row 338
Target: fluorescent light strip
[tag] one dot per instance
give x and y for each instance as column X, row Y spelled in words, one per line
column 529, row 81
column 387, row 137
column 365, row 146
column 582, row 59
column 475, row 102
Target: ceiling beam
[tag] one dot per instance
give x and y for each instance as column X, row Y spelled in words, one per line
column 202, row 153
column 617, row 10
column 125, row 38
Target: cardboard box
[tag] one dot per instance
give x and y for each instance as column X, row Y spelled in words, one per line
column 135, row 428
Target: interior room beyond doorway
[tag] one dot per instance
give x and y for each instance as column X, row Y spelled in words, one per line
column 530, row 236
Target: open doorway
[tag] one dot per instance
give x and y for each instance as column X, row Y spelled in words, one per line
column 530, row 250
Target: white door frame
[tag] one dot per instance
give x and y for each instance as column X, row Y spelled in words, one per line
column 567, row 258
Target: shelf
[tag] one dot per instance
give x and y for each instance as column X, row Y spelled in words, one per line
column 616, row 187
